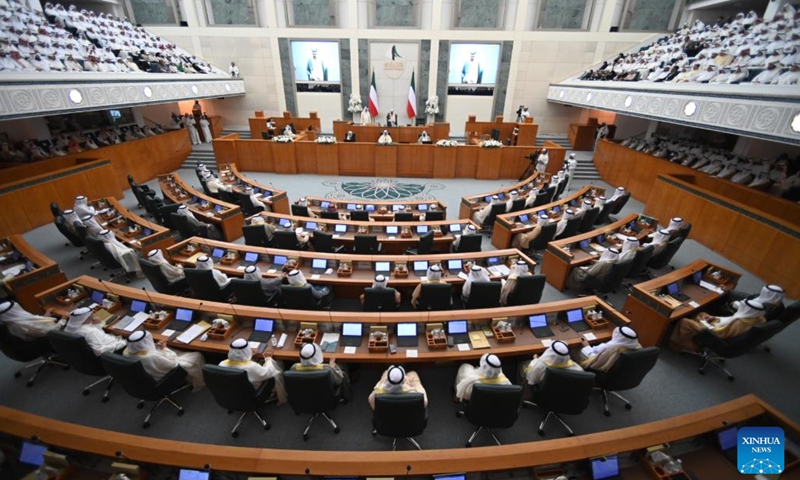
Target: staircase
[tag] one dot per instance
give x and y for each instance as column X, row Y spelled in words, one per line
column 204, row 153
column 585, row 169
column 561, row 140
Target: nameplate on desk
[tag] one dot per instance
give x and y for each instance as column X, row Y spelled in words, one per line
column 411, row 353
column 694, row 304
column 349, row 350
column 711, row 286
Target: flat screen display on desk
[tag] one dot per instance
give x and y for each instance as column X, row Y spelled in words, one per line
column 523, row 218
column 455, row 228
column 455, row 265
column 456, row 326
column 536, row 321
column 697, row 277
column 583, row 244
column 383, row 267
column 352, row 329
column 147, row 232
column 340, row 228
column 369, row 208
column 422, row 229
column 351, row 206
column 324, row 204
column 392, row 229
column 193, row 475
column 473, row 64
column 575, row 315
column 217, row 208
column 218, row 253
column 32, row 453
column 285, row 222
column 406, row 329
column 397, row 208
column 727, row 438
column 263, row 324
column 451, row 476
column 251, row 257
column 319, row 263
column 672, row 288
column 311, row 225
column 184, row 314
column 138, row 306
column 607, row 467
column 98, row 296
column 279, row 260
column 420, row 265
column 423, row 207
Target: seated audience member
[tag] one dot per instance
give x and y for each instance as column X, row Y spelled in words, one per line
column 381, row 281
column 215, row 185
column 523, row 240
column 240, row 356
column 172, row 273
column 82, row 206
column 512, row 195
column 257, row 202
column 660, row 240
column 311, row 359
column 480, row 216
column 158, row 360
column 629, row 248
column 25, row 325
column 771, row 297
column 126, row 256
column 599, row 269
column 204, row 262
column 395, row 380
column 213, row 231
column 269, row 228
column 749, row 313
column 476, row 274
column 469, row 230
column 489, row 371
column 603, row 356
column 385, row 138
column 434, row 275
column 519, row 269
column 84, row 322
column 270, row 286
column 424, row 137
column 322, row 294
column 619, row 192
column 562, row 223
column 92, row 227
column 350, row 136
column 675, row 224
column 556, row 356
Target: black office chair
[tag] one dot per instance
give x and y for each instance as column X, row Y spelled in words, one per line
column 73, row 350
column 715, row 350
column 25, row 351
column 159, row 281
column 286, row 240
column 619, row 203
column 516, row 205
column 328, row 215
column 560, row 189
column 571, row 228
column 639, row 263
column 366, row 244
column 55, row 210
column 542, row 198
column 359, row 215
column 186, row 229
column 469, row 243
column 233, row 391
column 484, row 295
column 492, row 406
column 301, row 298
column 400, row 415
column 249, row 292
column 323, row 242
column 564, row 392
column 104, row 258
column 545, row 236
column 611, row 281
column 684, row 231
column 248, row 207
column 162, row 214
column 602, row 217
column 589, row 217
column 255, row 235
column 300, row 211
column 434, row 296
column 379, row 299
column 488, row 222
column 627, row 373
column 129, row 372
column 527, row 292
column 311, row 391
column 403, row 217
column 204, row 287
column 425, row 245
column 61, row 225
column 435, row 216
column 665, row 256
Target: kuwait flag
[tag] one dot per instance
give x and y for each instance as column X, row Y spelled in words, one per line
column 411, row 106
column 373, row 98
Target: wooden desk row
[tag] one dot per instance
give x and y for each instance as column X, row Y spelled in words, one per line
column 382, row 211
column 472, row 203
column 258, row 123
column 652, row 311
column 230, row 175
column 344, row 231
column 563, row 255
column 400, row 134
column 26, row 271
column 129, row 228
column 526, row 130
column 508, row 224
column 226, row 216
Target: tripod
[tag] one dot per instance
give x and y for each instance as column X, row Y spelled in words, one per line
column 531, row 168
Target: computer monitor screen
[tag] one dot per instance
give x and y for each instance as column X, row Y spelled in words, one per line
column 420, row 265
column 501, row 196
column 217, row 208
column 573, row 202
column 218, row 253
column 340, row 228
column 311, row 225
column 324, row 204
column 319, row 263
column 147, row 232
column 575, row 315
column 279, row 260
column 455, row 265
column 184, row 314
column 194, row 198
column 98, row 296
column 369, row 208
column 632, row 225
column 392, row 230
column 487, row 198
column 351, row 329
column 583, row 243
column 422, row 229
column 524, row 218
column 32, row 453
column 672, row 288
column 540, row 213
column 727, row 438
column 257, row 190
column 493, row 261
column 351, row 206
column 456, row 326
column 138, row 306
column 264, row 324
column 422, row 207
column 600, row 238
column 193, row 475
column 397, row 208
column 536, row 321
column 383, row 267
column 697, row 277
column 557, row 209
column 406, row 329
column 455, row 228
column 451, row 476
column 285, row 222
column 251, row 257
column 605, row 467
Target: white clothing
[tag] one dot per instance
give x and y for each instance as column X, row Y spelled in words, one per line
column 172, row 273
column 206, row 126
column 126, row 256
column 99, row 341
column 23, row 324
column 556, row 356
column 158, row 362
column 193, row 136
column 205, row 263
column 468, row 375
column 476, row 274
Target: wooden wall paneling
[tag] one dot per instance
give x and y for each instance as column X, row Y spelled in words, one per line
column 307, row 154
column 255, row 155
column 225, row 149
column 513, row 162
column 527, row 134
column 357, row 158
column 385, row 160
column 327, row 159
column 488, row 167
column 466, row 161
column 284, row 157
column 444, row 162
column 782, row 263
column 257, row 125
column 21, row 172
column 748, row 240
column 16, row 219
column 414, row 160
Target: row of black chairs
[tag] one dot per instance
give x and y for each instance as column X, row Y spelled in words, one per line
column 363, row 215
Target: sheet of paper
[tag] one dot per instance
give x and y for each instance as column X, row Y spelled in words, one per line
column 710, row 286
column 392, row 238
column 411, row 353
column 168, row 332
column 547, row 342
column 315, row 276
column 241, row 268
column 253, row 344
column 142, row 315
column 193, row 332
column 694, row 304
column 271, row 270
column 500, row 270
column 349, row 350
column 13, row 271
column 336, row 235
column 463, row 347
column 330, row 337
column 462, row 275
column 124, row 322
column 135, row 324
column 589, row 336
column 424, row 279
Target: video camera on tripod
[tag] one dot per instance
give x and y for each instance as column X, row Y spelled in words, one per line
column 531, row 168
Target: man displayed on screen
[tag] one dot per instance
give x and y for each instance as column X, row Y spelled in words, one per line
column 317, row 71
column 472, row 71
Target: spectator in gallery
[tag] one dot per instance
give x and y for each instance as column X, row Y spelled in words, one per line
column 234, row 70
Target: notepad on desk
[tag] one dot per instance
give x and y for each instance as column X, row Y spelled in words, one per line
column 462, row 275
column 193, row 258
column 589, row 336
column 349, row 350
column 710, row 286
column 411, row 353
column 478, row 340
column 193, row 332
column 500, row 270
column 136, row 321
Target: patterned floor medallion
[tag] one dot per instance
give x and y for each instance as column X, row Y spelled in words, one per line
column 382, row 189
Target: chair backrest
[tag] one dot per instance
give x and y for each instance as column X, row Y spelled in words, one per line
column 470, row 243
column 620, row 202
column 528, row 290
column 299, row 298
column 685, row 230
column 497, row 209
column 484, row 295
column 285, row 239
column 545, row 236
column 741, row 344
column 129, row 372
column 665, row 256
column 589, row 217
column 310, row 391
column 434, row 296
column 602, row 217
column 403, row 217
column 163, row 213
column 435, row 216
column 379, row 299
column 328, row 215
column 98, row 248
column 249, row 292
column 790, row 313
column 517, row 205
column 80, row 230
column 203, row 285
column 399, row 415
column 248, row 207
column 21, row 350
column 155, row 276
column 359, row 215
column 494, row 406
column 322, row 242
column 425, row 244
column 73, row 350
column 61, row 225
column 630, row 369
column 232, row 389
column 55, row 210
column 255, row 235
column 300, row 211
column 542, row 198
column 365, row 244
column 564, row 391
column 639, row 264
column 615, row 276
column 560, row 188
column 571, row 228
column 184, row 227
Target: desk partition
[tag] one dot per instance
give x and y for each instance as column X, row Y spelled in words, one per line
column 653, row 309
column 561, row 256
column 129, row 228
column 382, row 211
column 26, row 272
column 472, row 203
column 230, row 175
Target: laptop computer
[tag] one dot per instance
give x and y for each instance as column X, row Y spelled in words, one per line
column 369, row 208
column 193, row 474
column 324, row 204
column 262, row 330
column 351, row 206
column 318, row 265
column 218, row 208
column 605, row 468
column 455, row 266
column 32, row 453
column 351, row 334
column 458, row 330
column 584, row 245
column 697, row 277
column 311, row 226
column 138, row 306
column 407, row 335
column 340, row 228
column 487, row 199
column 501, row 196
column 182, row 320
column 575, row 320
column 492, row 261
column 383, row 267
column 285, row 223
column 422, row 207
column 195, row 199
column 634, row 225
column 392, row 229
column 278, row 261
column 420, row 268
column 524, row 218
column 455, row 228
column 217, row 254
column 601, row 240
column 538, row 324
column 674, row 291
column 422, row 229
column 250, row 258
column 146, row 232
column 397, row 208
column 98, row 296
column 557, row 209
column 728, row 441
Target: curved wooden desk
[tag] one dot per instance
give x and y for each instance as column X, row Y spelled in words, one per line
column 400, row 134
column 507, row 225
column 226, row 216
column 28, row 272
column 230, row 175
column 131, row 229
column 258, row 124
column 382, row 211
column 472, row 203
column 392, row 243
column 563, row 255
column 358, row 463
column 652, row 311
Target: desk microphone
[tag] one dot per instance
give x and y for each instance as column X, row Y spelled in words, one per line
column 106, row 285
column 207, row 467
column 149, row 298
column 235, row 314
column 408, row 470
column 121, row 455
